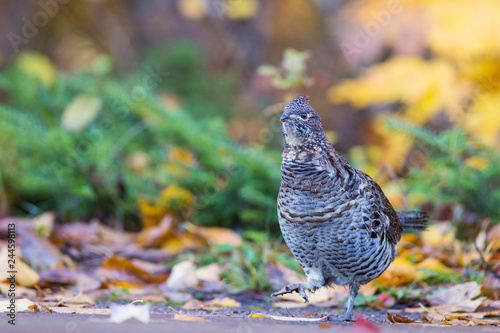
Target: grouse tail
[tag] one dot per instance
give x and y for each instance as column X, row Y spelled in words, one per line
column 414, row 220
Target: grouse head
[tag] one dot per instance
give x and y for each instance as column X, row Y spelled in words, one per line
column 301, row 124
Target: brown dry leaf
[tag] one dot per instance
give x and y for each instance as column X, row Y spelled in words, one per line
column 70, row 299
column 216, row 235
column 57, row 277
column 225, row 302
column 456, row 294
column 182, row 242
column 40, row 308
column 122, row 272
column 183, row 276
column 490, row 287
column 153, row 236
column 399, row 319
column 400, row 272
column 493, row 238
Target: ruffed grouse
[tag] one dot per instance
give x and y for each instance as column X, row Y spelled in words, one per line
column 335, row 219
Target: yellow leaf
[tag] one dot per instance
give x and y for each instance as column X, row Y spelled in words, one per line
column 217, row 235
column 25, row 276
column 225, row 302
column 400, row 272
column 193, row 9
column 175, row 197
column 37, row 66
column 425, row 87
column 240, row 9
column 438, row 235
column 483, row 119
column 81, row 111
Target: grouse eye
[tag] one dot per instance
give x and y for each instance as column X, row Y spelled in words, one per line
column 303, row 116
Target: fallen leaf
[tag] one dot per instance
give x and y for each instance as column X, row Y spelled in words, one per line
column 493, row 238
column 225, row 302
column 398, row 319
column 20, row 305
column 183, row 276
column 490, row 287
column 80, row 112
column 123, row 273
column 155, row 235
column 458, row 293
column 209, row 273
column 57, row 277
column 213, row 305
column 216, row 235
column 24, row 276
column 400, row 272
column 185, row 317
column 121, row 313
column 44, row 224
column 438, row 235
column 40, row 308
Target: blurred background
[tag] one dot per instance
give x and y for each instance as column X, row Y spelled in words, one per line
column 162, row 117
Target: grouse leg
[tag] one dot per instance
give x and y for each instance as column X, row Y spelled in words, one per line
column 353, row 292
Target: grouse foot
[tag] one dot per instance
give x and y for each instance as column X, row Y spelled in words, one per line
column 298, row 287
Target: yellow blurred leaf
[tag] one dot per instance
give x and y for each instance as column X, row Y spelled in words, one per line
column 193, row 9
column 483, row 119
column 429, row 87
column 400, row 272
column 37, row 66
column 438, row 235
column 25, row 276
column 175, row 197
column 81, row 111
column 151, row 215
column 217, row 235
column 240, row 9
column 225, row 302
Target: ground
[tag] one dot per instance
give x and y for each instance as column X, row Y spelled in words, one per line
column 226, row 320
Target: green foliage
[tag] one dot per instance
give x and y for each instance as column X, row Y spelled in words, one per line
column 457, row 169
column 87, row 172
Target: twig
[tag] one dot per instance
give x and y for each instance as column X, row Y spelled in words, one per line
column 289, row 312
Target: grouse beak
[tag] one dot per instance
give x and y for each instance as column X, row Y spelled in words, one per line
column 284, row 118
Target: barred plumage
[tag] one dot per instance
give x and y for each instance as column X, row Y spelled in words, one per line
column 335, row 219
